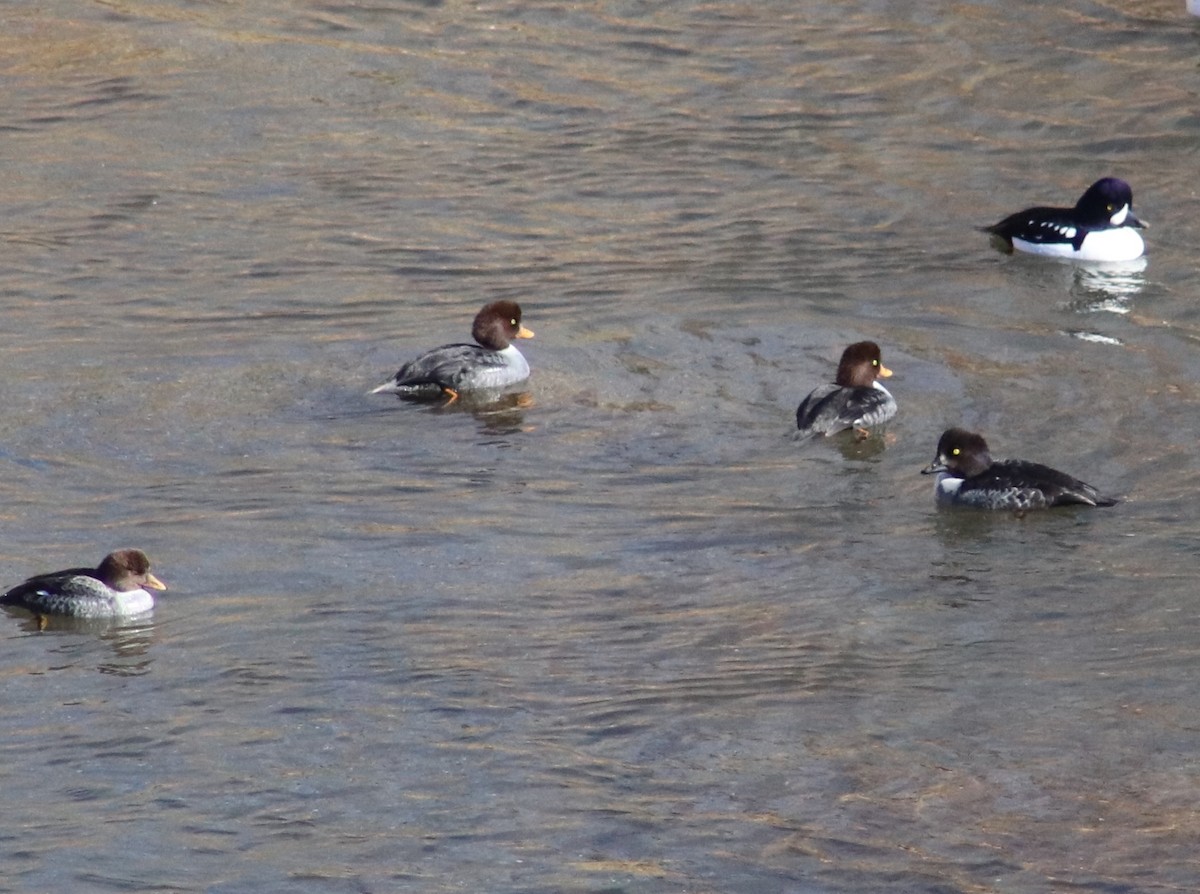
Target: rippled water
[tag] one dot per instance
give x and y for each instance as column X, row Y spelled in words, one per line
column 619, row 632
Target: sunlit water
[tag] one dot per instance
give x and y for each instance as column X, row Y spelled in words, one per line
column 619, row 632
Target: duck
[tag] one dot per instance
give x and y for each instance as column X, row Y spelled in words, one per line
column 1101, row 227
column 855, row 399
column 492, row 363
column 968, row 476
column 118, row 587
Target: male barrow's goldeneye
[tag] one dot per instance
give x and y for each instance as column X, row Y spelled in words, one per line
column 1101, row 227
column 856, row 399
column 967, row 476
column 116, row 588
column 452, row 369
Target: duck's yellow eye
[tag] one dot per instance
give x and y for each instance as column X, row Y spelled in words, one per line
column 512, row 322
column 874, row 362
column 1109, row 207
column 955, row 452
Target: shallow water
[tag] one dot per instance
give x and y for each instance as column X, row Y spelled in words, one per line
column 619, row 632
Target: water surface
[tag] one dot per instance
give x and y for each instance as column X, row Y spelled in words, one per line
column 619, row 632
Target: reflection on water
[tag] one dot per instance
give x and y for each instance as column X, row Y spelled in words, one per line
column 849, row 444
column 502, row 414
column 1108, row 288
column 126, row 642
column 1094, row 337
column 1105, row 288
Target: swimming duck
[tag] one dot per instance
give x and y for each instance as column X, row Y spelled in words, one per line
column 968, row 476
column 494, row 362
column 115, row 588
column 856, row 398
column 1101, row 227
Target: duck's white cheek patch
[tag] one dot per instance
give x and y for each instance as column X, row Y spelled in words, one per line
column 1119, row 218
